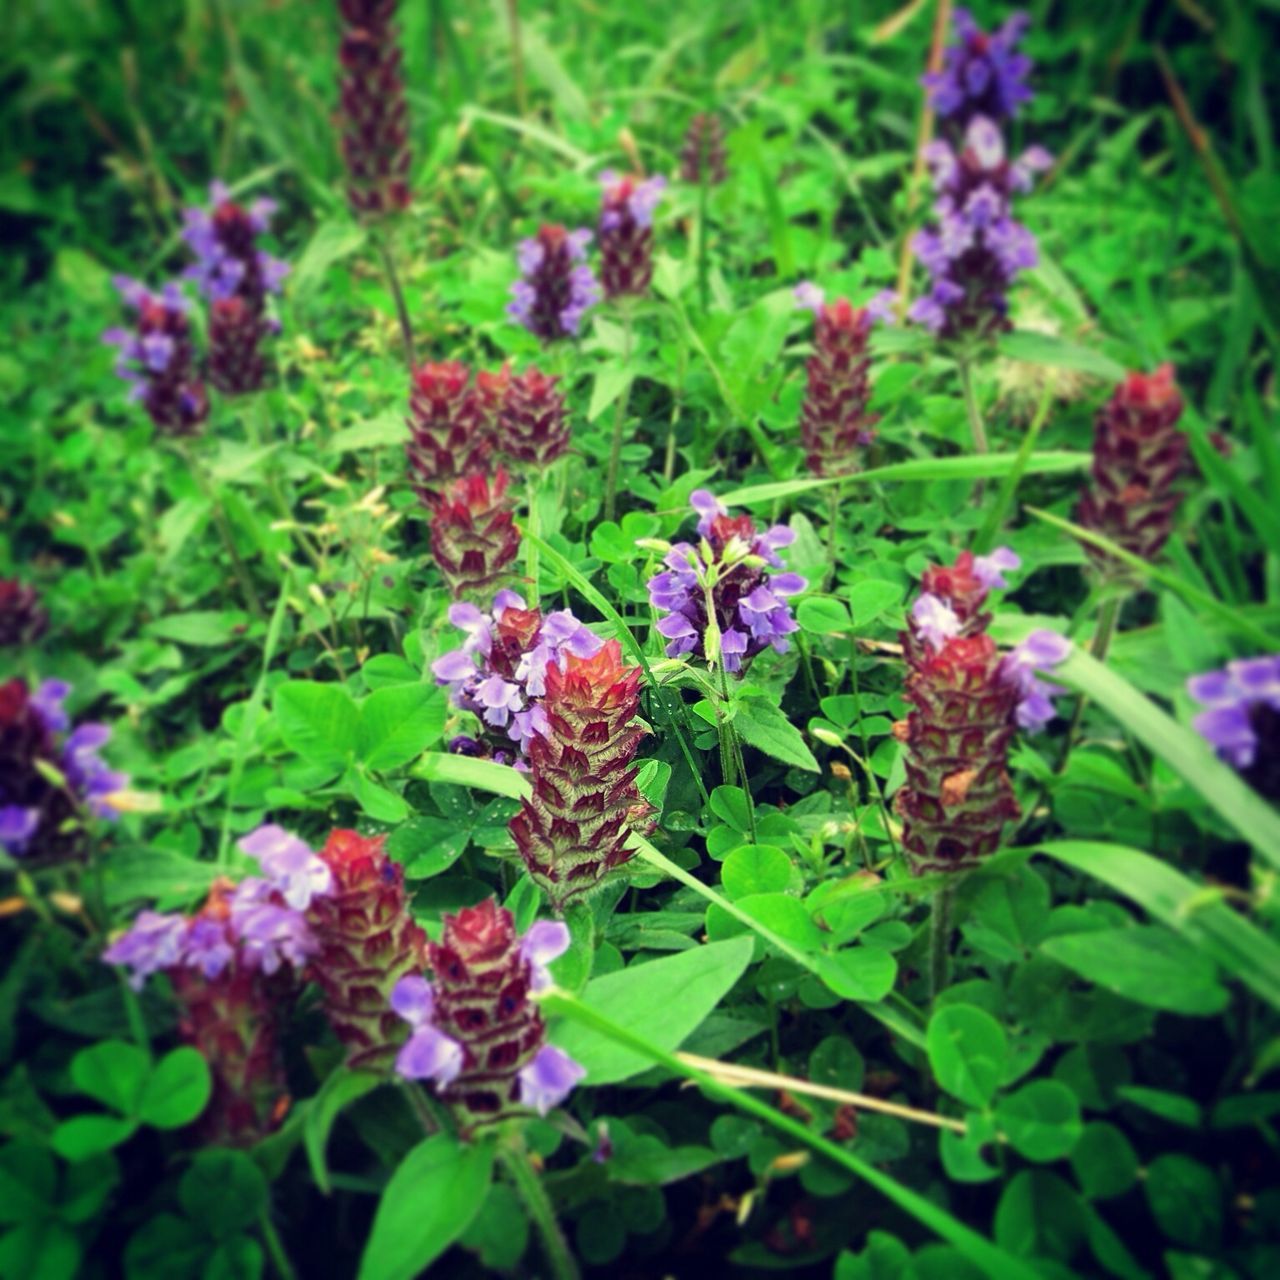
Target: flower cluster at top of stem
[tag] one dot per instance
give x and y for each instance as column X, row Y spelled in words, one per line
column 725, row 600
column 975, row 248
column 556, row 284
column 155, row 357
column 452, row 423
column 50, row 772
column 236, row 277
column 572, row 829
column 235, row 967
column 375, row 133
column 500, row 673
column 1138, row 456
column 476, row 1033
column 967, row 700
column 473, row 535
column 1241, row 719
column 702, row 153
column 834, row 420
column 23, row 619
column 626, row 232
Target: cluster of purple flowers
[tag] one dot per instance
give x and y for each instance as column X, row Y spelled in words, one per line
column 499, row 673
column 228, row 262
column 262, row 918
column 982, row 74
column 626, row 196
column 556, row 284
column 937, row 622
column 1242, row 708
column 30, row 726
column 738, row 569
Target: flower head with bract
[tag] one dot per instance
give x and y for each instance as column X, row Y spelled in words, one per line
column 1241, row 718
column 982, row 73
column 556, row 284
column 626, row 232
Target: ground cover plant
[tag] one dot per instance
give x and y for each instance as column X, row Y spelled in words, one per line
column 639, row 640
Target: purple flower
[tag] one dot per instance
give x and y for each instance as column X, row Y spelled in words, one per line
column 153, row 942
column 556, row 286
column 1039, row 652
column 48, row 700
column 17, row 825
column 810, row 297
column 981, row 73
column 546, row 941
column 228, row 263
column 936, row 619
column 207, row 947
column 1242, row 702
column 548, row 1079
column 289, row 865
column 989, row 570
column 272, row 935
column 428, row 1054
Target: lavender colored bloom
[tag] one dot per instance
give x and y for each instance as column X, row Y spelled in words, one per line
column 221, row 237
column 18, row 824
column 810, row 297
column 48, row 700
column 981, row 73
column 272, row 935
column 548, row 1079
column 556, row 286
column 638, row 198
column 936, row 620
column 153, row 942
column 207, row 947
column 1242, row 715
column 428, row 1054
column 413, row 999
column 546, row 941
column 989, row 570
column 1023, row 665
column 289, row 865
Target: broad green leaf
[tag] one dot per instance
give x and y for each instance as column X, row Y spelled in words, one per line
column 859, row 973
column 762, row 724
column 500, row 779
column 663, row 1001
column 339, row 1090
column 28, row 1181
column 40, row 1250
column 432, row 1196
column 755, row 868
column 224, row 1191
column 177, row 1090
column 1033, row 347
column 870, row 598
column 782, row 915
column 399, row 723
column 967, row 1051
column 823, row 615
column 1185, row 1198
column 114, row 1073
column 1104, row 1161
column 330, row 243
column 318, row 721
column 82, row 1137
column 1041, row 1120
column 200, row 629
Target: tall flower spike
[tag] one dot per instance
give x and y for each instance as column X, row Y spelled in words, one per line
column 450, row 431
column 1241, row 719
column 475, row 1031
column 968, row 701
column 155, row 358
column 982, row 74
column 834, row 422
column 738, row 567
column 375, row 132
column 367, row 942
column 473, row 535
column 23, row 620
column 556, row 286
column 532, row 427
column 626, row 233
column 572, row 831
column 1138, row 456
column 236, row 277
column 702, row 151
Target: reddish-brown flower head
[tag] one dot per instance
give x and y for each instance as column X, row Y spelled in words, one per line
column 1138, row 456
column 450, row 430
column 573, row 830
column 375, row 133
column 702, row 152
column 532, row 427
column 23, row 619
column 626, row 233
column 834, row 422
column 473, row 535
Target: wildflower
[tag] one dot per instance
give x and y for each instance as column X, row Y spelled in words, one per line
column 982, row 74
column 736, row 568
column 573, row 828
column 23, row 620
column 367, row 942
column 532, row 427
column 155, row 357
column 450, row 426
column 475, row 1032
column 626, row 233
column 473, row 536
column 500, row 672
column 1241, row 720
column 834, row 421
column 967, row 701
column 702, row 153
column 51, row 774
column 236, row 277
column 375, row 133
column 1138, row 456
column 556, row 286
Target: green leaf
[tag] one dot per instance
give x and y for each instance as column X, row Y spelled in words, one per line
column 341, row 1089
column 166, row 1247
column 41, row 1250
column 330, row 243
column 432, row 1196
column 968, row 1052
column 398, row 724
column 199, row 629
column 755, row 868
column 870, row 598
column 859, row 973
column 224, row 1191
column 428, row 845
column 383, row 429
column 114, row 1073
column 1172, row 1107
column 28, row 1181
column 500, row 779
column 177, row 1091
column 1032, row 347
column 611, row 381
column 1104, row 1161
column 1143, row 963
column 762, row 724
column 236, row 1258
column 823, row 615
column 1041, row 1120
column 663, row 1001
column 82, row 1137
column 1185, row 1199
column 377, row 801
column 318, row 721
column 780, row 914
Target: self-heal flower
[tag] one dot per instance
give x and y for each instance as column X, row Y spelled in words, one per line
column 533, row 430
column 288, row 865
column 702, row 154
column 626, row 232
column 1023, row 665
column 23, row 620
column 475, row 1031
column 451, row 424
column 152, row 943
column 736, row 568
column 556, row 285
column 155, row 357
column 1241, row 719
column 982, row 74
column 473, row 535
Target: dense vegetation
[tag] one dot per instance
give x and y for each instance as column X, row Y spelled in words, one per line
column 639, row 639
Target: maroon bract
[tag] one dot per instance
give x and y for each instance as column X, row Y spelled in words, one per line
column 23, row 619
column 532, row 427
column 1138, row 456
column 626, row 233
column 368, row 941
column 702, row 152
column 449, row 424
column 473, row 535
column 556, row 286
column 834, row 422
column 235, row 352
column 572, row 830
column 375, row 133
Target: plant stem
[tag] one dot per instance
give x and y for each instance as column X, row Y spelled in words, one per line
column 977, row 428
column 517, row 56
column 1108, row 616
column 703, row 284
column 533, row 1195
column 940, row 938
column 402, row 311
column 615, row 445
column 834, row 496
column 530, row 547
column 1009, row 488
column 275, row 1247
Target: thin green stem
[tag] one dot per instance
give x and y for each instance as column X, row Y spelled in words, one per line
column 834, row 496
column 703, row 272
column 275, row 1246
column 940, row 938
column 977, row 428
column 397, row 293
column 531, row 565
column 533, row 1195
column 620, row 417
column 1103, row 633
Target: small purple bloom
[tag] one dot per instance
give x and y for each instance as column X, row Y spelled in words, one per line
column 810, row 297
column 207, row 947
column 935, row 619
column 1237, row 699
column 1040, row 651
column 413, row 999
column 289, row 865
column 989, row 570
column 546, row 941
column 548, row 1079
column 48, row 700
column 153, row 942
column 17, row 825
column 429, row 1054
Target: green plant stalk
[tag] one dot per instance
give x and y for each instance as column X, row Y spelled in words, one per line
column 977, row 428
column 619, row 417
column 940, row 937
column 531, row 565
column 1099, row 646
column 275, row 1246
column 989, row 1258
column 704, row 291
column 397, row 293
column 1009, row 488
column 533, row 1195
column 835, row 496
